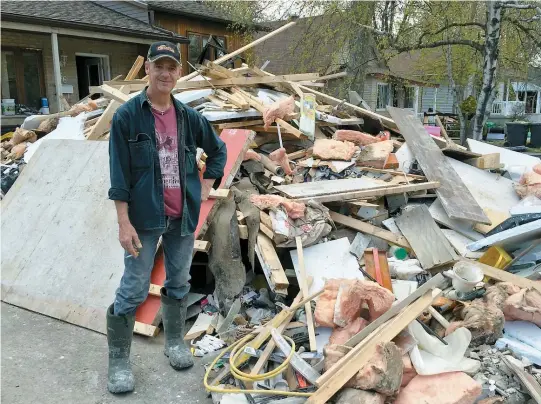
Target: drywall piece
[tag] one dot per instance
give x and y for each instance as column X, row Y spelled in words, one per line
column 63, row 235
column 460, row 226
column 330, row 260
column 317, row 188
column 515, row 163
column 459, row 243
column 200, row 326
column 425, row 237
column 520, row 349
column 403, row 289
column 510, row 239
column 456, row 199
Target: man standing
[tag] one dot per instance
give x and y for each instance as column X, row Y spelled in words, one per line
column 157, row 192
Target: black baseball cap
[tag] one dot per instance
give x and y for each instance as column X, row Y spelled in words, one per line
column 163, row 49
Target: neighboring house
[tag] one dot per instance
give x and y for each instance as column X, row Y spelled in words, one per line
column 381, row 85
column 195, row 20
column 53, row 48
column 61, row 48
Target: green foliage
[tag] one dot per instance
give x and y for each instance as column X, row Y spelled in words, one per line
column 469, row 105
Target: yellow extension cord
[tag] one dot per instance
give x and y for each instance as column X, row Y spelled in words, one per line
column 235, row 353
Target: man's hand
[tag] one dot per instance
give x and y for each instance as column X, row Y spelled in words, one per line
column 129, row 240
column 206, row 187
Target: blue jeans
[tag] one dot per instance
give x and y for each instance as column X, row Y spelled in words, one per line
column 135, row 282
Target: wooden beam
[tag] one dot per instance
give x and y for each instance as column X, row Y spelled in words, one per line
column 111, row 92
column 362, row 353
column 304, row 288
column 222, row 193
column 485, row 162
column 372, row 192
column 145, row 329
column 455, row 197
column 240, row 124
column 393, row 172
column 201, row 246
column 272, row 267
column 504, row 276
column 370, row 229
column 104, row 121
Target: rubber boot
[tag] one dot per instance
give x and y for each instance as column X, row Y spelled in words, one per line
column 174, row 317
column 119, row 336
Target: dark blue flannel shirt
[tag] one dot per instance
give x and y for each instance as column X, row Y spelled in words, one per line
column 135, row 167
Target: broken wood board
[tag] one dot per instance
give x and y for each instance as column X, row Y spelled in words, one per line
column 270, row 263
column 375, row 191
column 510, row 239
column 456, row 199
column 371, row 229
column 303, row 283
column 200, row 326
column 514, row 163
column 504, row 276
column 237, row 142
column 377, row 267
column 330, row 260
column 430, row 246
column 459, row 243
column 497, row 217
column 54, row 255
column 343, row 370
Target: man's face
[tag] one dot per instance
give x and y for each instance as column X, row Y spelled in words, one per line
column 163, row 74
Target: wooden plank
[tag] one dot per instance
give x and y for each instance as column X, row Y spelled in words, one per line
column 219, row 193
column 304, row 288
column 393, row 172
column 243, row 232
column 485, row 162
column 201, row 246
column 377, row 267
column 272, row 267
column 425, row 237
column 457, row 200
column 113, row 93
column 371, row 229
column 362, row 353
column 372, row 192
column 239, row 124
column 505, row 276
column 145, row 329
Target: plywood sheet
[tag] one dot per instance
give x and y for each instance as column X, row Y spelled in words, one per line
column 330, row 260
column 515, row 163
column 456, row 199
column 425, row 237
column 60, row 251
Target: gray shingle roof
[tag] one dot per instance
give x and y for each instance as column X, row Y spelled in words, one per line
column 200, row 9
column 84, row 15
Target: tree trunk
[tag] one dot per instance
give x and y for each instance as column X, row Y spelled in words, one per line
column 492, row 49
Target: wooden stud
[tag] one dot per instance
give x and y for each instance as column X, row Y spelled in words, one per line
column 145, row 329
column 243, row 231
column 221, row 193
column 272, row 267
column 201, row 246
column 505, row 276
column 304, row 288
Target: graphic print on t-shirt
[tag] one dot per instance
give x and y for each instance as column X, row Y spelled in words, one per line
column 168, row 154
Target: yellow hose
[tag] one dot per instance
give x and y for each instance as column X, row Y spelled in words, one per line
column 235, row 353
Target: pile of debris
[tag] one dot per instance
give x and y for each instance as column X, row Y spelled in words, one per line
column 397, row 236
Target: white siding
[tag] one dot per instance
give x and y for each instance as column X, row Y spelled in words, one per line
column 444, row 99
column 127, row 8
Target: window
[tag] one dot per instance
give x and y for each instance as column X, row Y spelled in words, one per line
column 22, row 76
column 383, row 96
column 409, row 97
column 198, row 43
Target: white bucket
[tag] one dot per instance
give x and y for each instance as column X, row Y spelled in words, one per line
column 466, row 276
column 8, row 106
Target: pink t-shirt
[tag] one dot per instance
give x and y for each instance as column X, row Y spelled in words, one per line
column 167, row 141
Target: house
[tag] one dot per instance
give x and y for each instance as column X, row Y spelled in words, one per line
column 379, row 85
column 195, row 20
column 58, row 49
column 404, row 81
column 52, row 48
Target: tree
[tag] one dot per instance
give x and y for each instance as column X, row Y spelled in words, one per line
column 475, row 39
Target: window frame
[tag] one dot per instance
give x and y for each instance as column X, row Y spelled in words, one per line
column 378, row 84
column 412, row 88
column 19, row 72
column 201, row 36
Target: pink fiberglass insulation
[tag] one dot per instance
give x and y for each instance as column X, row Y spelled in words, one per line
column 278, row 109
column 280, row 156
column 329, row 149
column 295, row 210
column 524, row 305
column 251, row 155
column 355, row 137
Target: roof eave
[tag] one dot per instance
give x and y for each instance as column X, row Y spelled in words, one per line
column 199, row 16
column 92, row 27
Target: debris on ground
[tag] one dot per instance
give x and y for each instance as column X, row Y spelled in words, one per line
column 348, row 265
